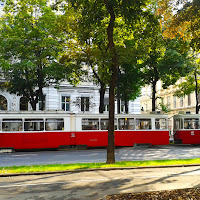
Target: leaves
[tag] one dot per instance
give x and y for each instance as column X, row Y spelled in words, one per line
column 33, row 37
column 183, row 23
column 180, row 194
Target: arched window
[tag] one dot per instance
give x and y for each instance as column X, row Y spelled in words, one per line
column 3, row 103
column 23, row 103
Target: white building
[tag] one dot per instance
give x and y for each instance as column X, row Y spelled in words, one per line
column 83, row 98
column 166, row 97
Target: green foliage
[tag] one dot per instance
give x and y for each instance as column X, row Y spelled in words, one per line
column 97, row 25
column 191, row 81
column 186, row 87
column 32, row 40
column 130, row 81
column 94, row 20
column 190, row 16
column 175, row 62
column 183, row 22
column 167, row 62
column 164, row 107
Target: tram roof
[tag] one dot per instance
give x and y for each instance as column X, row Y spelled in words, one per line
column 187, row 116
column 64, row 113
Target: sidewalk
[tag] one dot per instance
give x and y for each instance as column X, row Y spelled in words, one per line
column 94, row 185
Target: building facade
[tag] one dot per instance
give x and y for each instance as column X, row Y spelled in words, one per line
column 83, row 98
column 166, row 97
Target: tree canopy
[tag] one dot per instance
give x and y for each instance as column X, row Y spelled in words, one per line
column 103, row 19
column 32, row 38
column 183, row 21
column 191, row 83
column 164, row 58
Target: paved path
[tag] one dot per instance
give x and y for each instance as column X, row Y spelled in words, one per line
column 98, row 155
column 93, row 185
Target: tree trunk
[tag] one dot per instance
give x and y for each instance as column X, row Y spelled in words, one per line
column 30, row 95
column 112, row 84
column 41, row 98
column 118, row 92
column 111, row 134
column 126, row 103
column 196, row 93
column 102, row 93
column 153, row 96
column 40, row 85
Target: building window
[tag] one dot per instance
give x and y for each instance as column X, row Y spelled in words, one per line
column 3, row 103
column 66, row 103
column 146, row 107
column 174, row 102
column 189, row 100
column 122, row 107
column 181, row 101
column 106, row 104
column 168, row 101
column 156, row 103
column 23, row 103
column 85, row 102
column 40, row 102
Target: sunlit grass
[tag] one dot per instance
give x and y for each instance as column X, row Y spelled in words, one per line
column 78, row 166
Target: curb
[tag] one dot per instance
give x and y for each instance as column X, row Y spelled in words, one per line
column 97, row 169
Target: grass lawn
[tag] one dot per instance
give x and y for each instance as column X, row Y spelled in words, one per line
column 77, row 166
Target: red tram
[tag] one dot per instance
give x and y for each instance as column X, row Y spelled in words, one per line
column 186, row 129
column 44, row 130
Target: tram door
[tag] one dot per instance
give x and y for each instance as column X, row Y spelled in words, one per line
column 73, row 130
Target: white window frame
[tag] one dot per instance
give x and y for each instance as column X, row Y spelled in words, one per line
column 66, row 102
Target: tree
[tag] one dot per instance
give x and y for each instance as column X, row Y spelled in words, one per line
column 96, row 12
column 129, row 77
column 130, row 84
column 166, row 64
column 164, row 107
column 32, row 41
column 97, row 59
column 184, row 23
column 191, row 84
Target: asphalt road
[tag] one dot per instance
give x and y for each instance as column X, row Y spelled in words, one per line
column 95, row 185
column 98, row 155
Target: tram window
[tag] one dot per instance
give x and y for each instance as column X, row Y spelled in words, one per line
column 12, row 124
column 191, row 123
column 90, row 124
column 105, row 122
column 34, row 125
column 54, row 124
column 143, row 123
column 161, row 124
column 126, row 123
